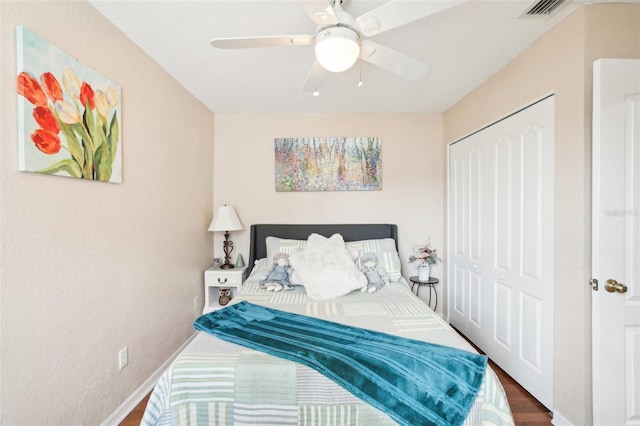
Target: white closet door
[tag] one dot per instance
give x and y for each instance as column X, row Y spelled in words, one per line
column 501, row 244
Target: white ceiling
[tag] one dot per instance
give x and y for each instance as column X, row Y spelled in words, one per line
column 462, row 47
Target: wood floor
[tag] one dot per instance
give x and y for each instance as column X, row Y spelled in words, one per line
column 525, row 408
column 134, row 417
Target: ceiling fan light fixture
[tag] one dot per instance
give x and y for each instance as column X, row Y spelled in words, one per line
column 337, row 48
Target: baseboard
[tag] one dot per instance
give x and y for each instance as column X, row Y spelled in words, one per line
column 559, row 420
column 130, row 403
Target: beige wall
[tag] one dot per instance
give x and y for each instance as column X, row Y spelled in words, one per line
column 412, row 169
column 561, row 62
column 86, row 267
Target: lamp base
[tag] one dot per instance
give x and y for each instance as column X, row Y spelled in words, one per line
column 228, row 248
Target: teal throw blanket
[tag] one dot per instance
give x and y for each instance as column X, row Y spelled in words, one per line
column 414, row 382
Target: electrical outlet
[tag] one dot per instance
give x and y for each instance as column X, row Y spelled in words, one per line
column 123, row 357
column 196, row 303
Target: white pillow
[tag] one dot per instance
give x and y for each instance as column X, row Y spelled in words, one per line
column 283, row 245
column 326, row 268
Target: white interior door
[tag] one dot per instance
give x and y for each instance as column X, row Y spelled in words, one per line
column 501, row 244
column 616, row 242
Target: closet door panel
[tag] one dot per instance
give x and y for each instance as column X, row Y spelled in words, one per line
column 503, row 201
column 531, row 331
column 476, row 196
column 530, row 181
column 475, row 299
column 459, row 297
column 460, row 208
column 502, row 324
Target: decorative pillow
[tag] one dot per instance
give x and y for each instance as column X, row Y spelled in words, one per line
column 277, row 245
column 260, row 265
column 259, row 268
column 326, row 268
column 385, row 249
column 354, row 252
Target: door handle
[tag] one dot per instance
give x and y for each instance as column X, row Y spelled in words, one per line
column 614, row 286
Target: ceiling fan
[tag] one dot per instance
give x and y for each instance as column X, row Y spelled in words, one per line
column 340, row 39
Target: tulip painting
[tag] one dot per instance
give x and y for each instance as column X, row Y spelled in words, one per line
column 68, row 114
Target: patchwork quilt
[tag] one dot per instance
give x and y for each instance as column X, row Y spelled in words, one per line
column 213, row 381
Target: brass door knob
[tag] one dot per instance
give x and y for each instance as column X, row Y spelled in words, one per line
column 614, row 286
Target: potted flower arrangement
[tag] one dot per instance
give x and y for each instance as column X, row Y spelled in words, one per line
column 425, row 256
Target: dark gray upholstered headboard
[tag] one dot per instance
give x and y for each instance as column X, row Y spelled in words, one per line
column 354, row 232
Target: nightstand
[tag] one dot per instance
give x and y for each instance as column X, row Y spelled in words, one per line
column 216, row 279
column 431, row 283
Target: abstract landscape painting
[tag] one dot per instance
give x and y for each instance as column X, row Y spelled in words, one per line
column 328, row 164
column 68, row 114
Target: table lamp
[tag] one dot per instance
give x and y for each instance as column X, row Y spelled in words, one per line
column 226, row 220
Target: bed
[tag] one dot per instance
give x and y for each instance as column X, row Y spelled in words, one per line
column 214, row 381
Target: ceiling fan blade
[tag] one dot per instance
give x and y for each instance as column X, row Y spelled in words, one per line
column 397, row 13
column 315, row 79
column 268, row 41
column 392, row 60
column 320, row 11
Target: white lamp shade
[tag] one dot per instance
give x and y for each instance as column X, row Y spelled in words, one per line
column 337, row 48
column 225, row 220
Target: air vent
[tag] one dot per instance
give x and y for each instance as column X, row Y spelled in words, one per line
column 542, row 8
